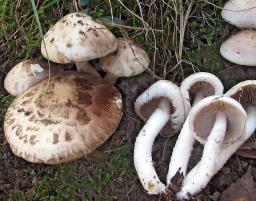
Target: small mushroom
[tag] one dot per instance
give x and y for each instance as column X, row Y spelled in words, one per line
column 78, row 38
column 218, row 122
column 245, row 93
column 241, row 13
column 27, row 73
column 128, row 60
column 62, row 119
column 193, row 89
column 159, row 104
column 240, row 48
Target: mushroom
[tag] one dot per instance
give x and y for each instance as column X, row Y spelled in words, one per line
column 240, row 48
column 62, row 119
column 241, row 13
column 193, row 89
column 245, row 93
column 218, row 122
column 128, row 60
column 78, row 38
column 159, row 104
column 27, row 73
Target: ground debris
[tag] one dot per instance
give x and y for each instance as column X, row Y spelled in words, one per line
column 242, row 190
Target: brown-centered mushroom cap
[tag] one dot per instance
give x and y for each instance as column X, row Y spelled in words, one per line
column 63, row 119
column 128, row 60
column 203, row 118
column 77, row 38
column 27, row 73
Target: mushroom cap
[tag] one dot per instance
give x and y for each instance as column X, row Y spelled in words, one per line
column 77, row 38
column 148, row 101
column 27, row 73
column 240, row 13
column 202, row 117
column 244, row 92
column 128, row 60
column 63, row 119
column 240, row 48
column 206, row 83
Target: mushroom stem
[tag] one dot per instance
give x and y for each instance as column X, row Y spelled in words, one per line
column 250, row 127
column 183, row 147
column 110, row 78
column 195, row 182
column 228, row 150
column 86, row 67
column 143, row 148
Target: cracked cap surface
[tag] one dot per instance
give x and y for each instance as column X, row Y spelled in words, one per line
column 64, row 119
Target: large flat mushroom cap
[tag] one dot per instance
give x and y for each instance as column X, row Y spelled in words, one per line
column 77, row 38
column 240, row 48
column 148, row 101
column 27, row 73
column 241, row 13
column 202, row 117
column 63, row 119
column 128, row 60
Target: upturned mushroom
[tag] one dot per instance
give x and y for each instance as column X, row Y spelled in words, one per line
column 128, row 60
column 193, row 89
column 161, row 107
column 78, row 38
column 62, row 119
column 27, row 73
column 245, row 93
column 218, row 122
column 240, row 48
column 241, row 13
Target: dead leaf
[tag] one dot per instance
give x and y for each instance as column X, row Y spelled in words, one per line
column 247, row 153
column 242, row 190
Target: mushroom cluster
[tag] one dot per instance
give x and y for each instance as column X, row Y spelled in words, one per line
column 222, row 123
column 60, row 115
column 240, row 48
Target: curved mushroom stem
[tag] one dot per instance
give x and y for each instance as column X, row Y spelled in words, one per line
column 143, row 148
column 250, row 128
column 229, row 149
column 183, row 147
column 86, row 67
column 110, row 78
column 193, row 183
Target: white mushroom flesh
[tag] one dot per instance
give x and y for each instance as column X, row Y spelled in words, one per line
column 143, row 148
column 184, row 144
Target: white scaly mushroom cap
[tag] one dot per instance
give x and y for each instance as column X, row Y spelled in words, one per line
column 128, row 60
column 201, row 119
column 228, row 120
column 241, row 13
column 149, row 99
column 27, row 73
column 204, row 83
column 62, row 119
column 240, row 48
column 77, row 38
